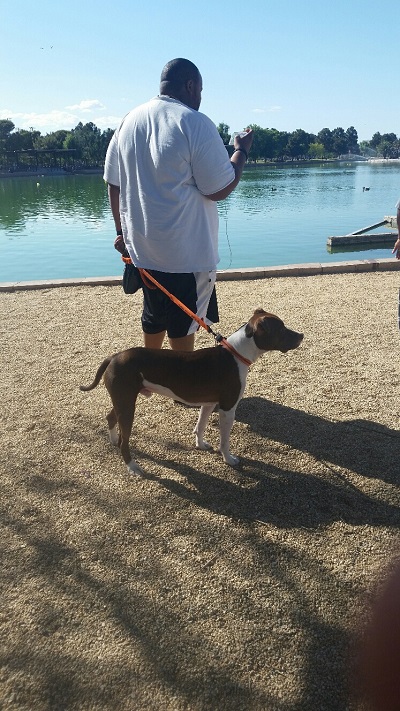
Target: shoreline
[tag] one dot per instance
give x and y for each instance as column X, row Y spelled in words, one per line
column 285, row 270
column 45, row 172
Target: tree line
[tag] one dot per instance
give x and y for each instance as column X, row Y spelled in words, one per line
column 273, row 145
column 85, row 145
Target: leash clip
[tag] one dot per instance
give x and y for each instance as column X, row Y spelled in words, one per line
column 217, row 336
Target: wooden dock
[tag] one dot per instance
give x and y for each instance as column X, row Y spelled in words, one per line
column 366, row 237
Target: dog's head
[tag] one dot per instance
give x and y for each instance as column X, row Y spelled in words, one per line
column 270, row 333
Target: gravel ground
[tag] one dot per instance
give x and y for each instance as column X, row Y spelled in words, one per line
column 196, row 587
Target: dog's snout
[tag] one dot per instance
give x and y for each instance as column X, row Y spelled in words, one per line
column 298, row 339
column 292, row 341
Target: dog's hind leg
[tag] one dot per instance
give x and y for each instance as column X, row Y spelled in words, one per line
column 125, row 422
column 125, row 411
column 226, row 419
column 201, row 424
column 112, row 428
column 124, row 401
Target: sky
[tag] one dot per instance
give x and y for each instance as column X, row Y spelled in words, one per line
column 283, row 64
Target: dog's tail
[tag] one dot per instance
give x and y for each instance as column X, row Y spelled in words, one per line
column 98, row 375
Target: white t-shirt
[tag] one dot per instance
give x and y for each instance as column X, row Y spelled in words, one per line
column 166, row 157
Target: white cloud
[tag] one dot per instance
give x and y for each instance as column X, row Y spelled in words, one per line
column 108, row 121
column 86, row 105
column 5, row 114
column 52, row 121
column 271, row 109
column 57, row 119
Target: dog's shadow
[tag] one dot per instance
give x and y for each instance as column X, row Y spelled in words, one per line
column 365, row 447
column 286, row 497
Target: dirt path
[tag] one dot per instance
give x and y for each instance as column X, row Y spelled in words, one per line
column 196, row 587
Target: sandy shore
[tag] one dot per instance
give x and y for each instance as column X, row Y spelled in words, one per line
column 196, row 587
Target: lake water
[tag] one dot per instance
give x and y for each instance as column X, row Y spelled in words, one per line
column 55, row 227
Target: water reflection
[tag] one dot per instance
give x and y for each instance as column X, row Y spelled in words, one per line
column 289, row 189
column 51, row 197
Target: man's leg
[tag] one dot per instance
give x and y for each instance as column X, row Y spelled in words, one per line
column 186, row 343
column 153, row 340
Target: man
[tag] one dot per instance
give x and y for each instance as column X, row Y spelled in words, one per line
column 396, row 248
column 166, row 168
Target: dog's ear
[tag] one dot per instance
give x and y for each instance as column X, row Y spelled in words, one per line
column 264, row 324
column 252, row 325
column 249, row 329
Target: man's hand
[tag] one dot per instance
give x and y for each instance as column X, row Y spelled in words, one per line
column 396, row 249
column 119, row 244
column 244, row 141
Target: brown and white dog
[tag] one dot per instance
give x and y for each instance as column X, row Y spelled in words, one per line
column 205, row 378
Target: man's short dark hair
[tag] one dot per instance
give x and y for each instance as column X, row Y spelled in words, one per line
column 177, row 73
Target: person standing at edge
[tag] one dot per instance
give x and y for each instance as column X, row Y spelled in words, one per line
column 396, row 248
column 166, row 167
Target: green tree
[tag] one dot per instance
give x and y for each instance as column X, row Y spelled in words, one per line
column 388, row 149
column 352, row 140
column 375, row 140
column 298, row 143
column 22, row 140
column 70, row 141
column 366, row 149
column 316, row 150
column 52, row 141
column 6, row 127
column 269, row 143
column 281, row 139
column 87, row 140
column 257, row 149
column 223, row 130
column 389, row 137
column 339, row 141
column 385, row 149
column 325, row 137
column 105, row 139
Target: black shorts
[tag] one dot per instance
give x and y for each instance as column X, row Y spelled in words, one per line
column 195, row 290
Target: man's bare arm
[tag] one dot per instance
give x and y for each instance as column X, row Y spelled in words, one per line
column 238, row 160
column 242, row 146
column 113, row 197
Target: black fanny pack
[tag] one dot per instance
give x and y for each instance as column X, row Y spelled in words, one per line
column 131, row 279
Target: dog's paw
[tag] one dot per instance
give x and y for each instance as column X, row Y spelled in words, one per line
column 146, row 392
column 203, row 445
column 114, row 436
column 133, row 468
column 230, row 459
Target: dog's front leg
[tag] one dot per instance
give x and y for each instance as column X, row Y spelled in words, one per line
column 205, row 412
column 226, row 419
